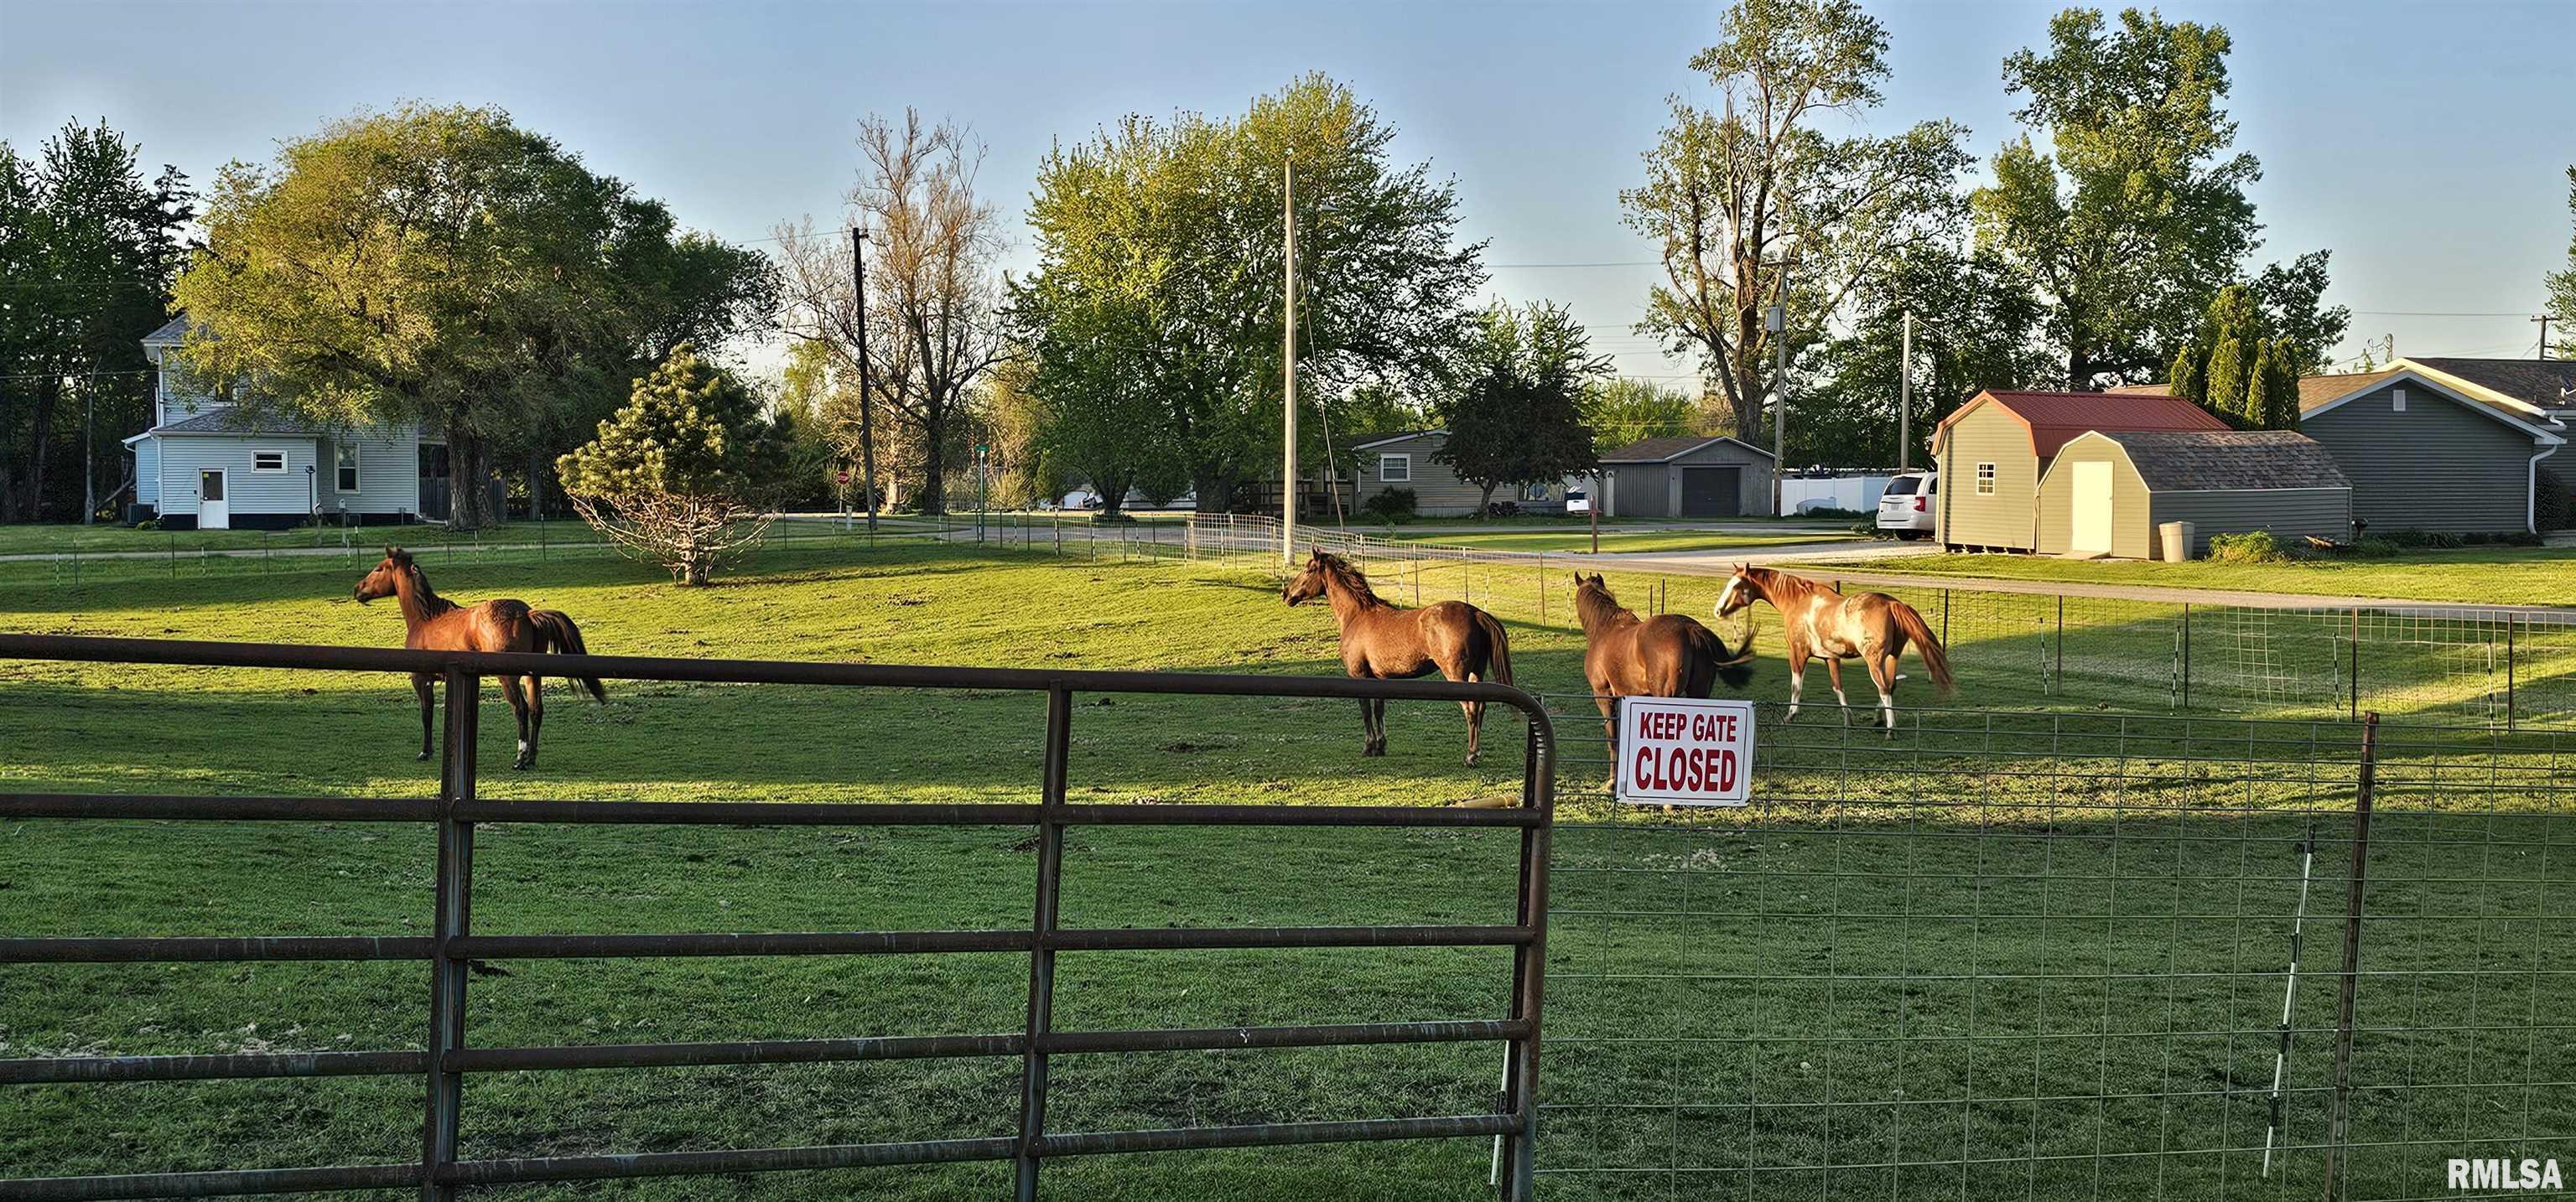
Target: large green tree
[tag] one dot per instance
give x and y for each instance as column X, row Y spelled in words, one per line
column 446, row 267
column 88, row 249
column 1626, row 409
column 2239, row 366
column 1518, row 418
column 1974, row 321
column 2123, row 202
column 2562, row 285
column 1762, row 199
column 1164, row 239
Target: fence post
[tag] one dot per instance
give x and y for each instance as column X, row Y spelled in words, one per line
column 2186, row 655
column 1945, row 617
column 2057, row 670
column 450, row 919
column 1542, row 588
column 2353, row 708
column 1515, row 1155
column 2508, row 670
column 2340, row 1128
column 1033, row 1060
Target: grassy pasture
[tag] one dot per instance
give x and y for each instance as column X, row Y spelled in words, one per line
column 2488, row 575
column 1735, row 997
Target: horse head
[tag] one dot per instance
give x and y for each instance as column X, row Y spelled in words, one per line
column 383, row 581
column 1309, row 583
column 1741, row 591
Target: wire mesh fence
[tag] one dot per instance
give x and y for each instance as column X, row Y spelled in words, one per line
column 2030, row 646
column 2051, row 956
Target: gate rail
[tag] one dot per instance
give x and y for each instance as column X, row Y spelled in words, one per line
column 456, row 810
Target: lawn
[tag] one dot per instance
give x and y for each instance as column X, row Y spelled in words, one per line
column 1624, row 542
column 2499, row 575
column 1731, row 995
column 105, row 539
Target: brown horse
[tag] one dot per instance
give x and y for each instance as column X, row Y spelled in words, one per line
column 434, row 623
column 1383, row 642
column 1667, row 655
column 1817, row 620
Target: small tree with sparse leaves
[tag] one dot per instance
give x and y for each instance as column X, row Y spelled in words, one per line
column 680, row 476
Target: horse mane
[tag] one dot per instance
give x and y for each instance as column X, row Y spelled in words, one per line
column 430, row 602
column 1340, row 570
column 1594, row 599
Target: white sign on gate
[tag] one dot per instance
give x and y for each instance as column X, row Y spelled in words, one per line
column 1685, row 751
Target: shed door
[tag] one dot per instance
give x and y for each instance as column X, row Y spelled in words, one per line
column 1712, row 492
column 214, row 512
column 2092, row 520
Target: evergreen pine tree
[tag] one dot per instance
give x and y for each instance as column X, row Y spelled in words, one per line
column 2227, row 374
column 2190, row 379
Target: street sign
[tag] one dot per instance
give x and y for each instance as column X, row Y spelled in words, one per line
column 1685, row 751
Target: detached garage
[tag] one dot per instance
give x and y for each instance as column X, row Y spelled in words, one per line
column 1690, row 477
column 2107, row 491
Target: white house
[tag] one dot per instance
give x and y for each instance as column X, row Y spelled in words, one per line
column 210, row 463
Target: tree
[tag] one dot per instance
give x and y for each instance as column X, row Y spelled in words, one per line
column 1624, row 410
column 1973, row 329
column 1518, row 419
column 88, row 248
column 679, row 475
column 2237, row 368
column 933, row 287
column 2136, row 211
column 2229, row 369
column 2562, row 285
column 1733, row 197
column 444, row 266
column 1163, row 238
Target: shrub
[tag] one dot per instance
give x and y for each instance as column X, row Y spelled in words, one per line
column 1391, row 505
column 2253, row 546
column 2549, row 501
column 2371, row 547
column 148, row 524
column 682, row 474
column 1829, row 513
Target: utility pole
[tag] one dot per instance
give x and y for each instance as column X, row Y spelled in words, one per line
column 867, row 418
column 2544, row 320
column 1905, row 400
column 1288, row 356
column 1777, row 321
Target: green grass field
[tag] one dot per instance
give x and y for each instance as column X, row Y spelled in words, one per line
column 2495, row 575
column 1623, row 542
column 1735, row 996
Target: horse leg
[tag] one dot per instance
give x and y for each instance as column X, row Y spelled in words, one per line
column 1475, row 726
column 515, row 689
column 536, row 715
column 1882, row 672
column 1797, row 682
column 1371, row 742
column 420, row 685
column 1834, row 675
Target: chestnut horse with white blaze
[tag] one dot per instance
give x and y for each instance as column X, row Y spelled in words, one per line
column 434, row 623
column 1667, row 655
column 1381, row 641
column 1819, row 621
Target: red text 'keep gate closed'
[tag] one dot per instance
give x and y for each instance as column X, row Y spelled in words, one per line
column 1685, row 751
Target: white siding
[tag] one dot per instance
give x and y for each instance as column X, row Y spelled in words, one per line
column 247, row 492
column 147, row 472
column 388, row 472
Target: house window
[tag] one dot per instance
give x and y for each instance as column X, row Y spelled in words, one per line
column 345, row 475
column 268, row 461
column 1985, row 479
column 1395, row 469
column 2397, row 400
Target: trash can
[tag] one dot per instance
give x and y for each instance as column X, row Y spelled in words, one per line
column 2176, row 540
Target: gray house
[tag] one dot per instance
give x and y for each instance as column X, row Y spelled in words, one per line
column 1404, row 461
column 2106, row 491
column 1689, row 476
column 213, row 463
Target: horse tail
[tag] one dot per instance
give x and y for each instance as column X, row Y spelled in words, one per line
column 555, row 632
column 1499, row 656
column 1701, row 654
column 1925, row 645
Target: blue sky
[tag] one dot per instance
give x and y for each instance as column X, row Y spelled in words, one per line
column 2425, row 144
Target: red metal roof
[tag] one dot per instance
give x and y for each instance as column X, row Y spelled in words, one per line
column 2055, row 417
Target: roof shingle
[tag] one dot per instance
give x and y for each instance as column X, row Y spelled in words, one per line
column 1657, row 450
column 2055, row 417
column 2248, row 460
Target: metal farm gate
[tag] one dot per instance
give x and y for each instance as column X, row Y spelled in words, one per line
column 452, row 942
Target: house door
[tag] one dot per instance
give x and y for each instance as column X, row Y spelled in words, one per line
column 2092, row 518
column 213, row 512
column 1712, row 492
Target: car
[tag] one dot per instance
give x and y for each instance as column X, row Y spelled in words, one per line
column 1578, row 501
column 1905, row 509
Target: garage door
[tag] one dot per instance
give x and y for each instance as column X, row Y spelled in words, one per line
column 1712, row 492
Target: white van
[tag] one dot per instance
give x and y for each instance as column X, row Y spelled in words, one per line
column 1905, row 509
